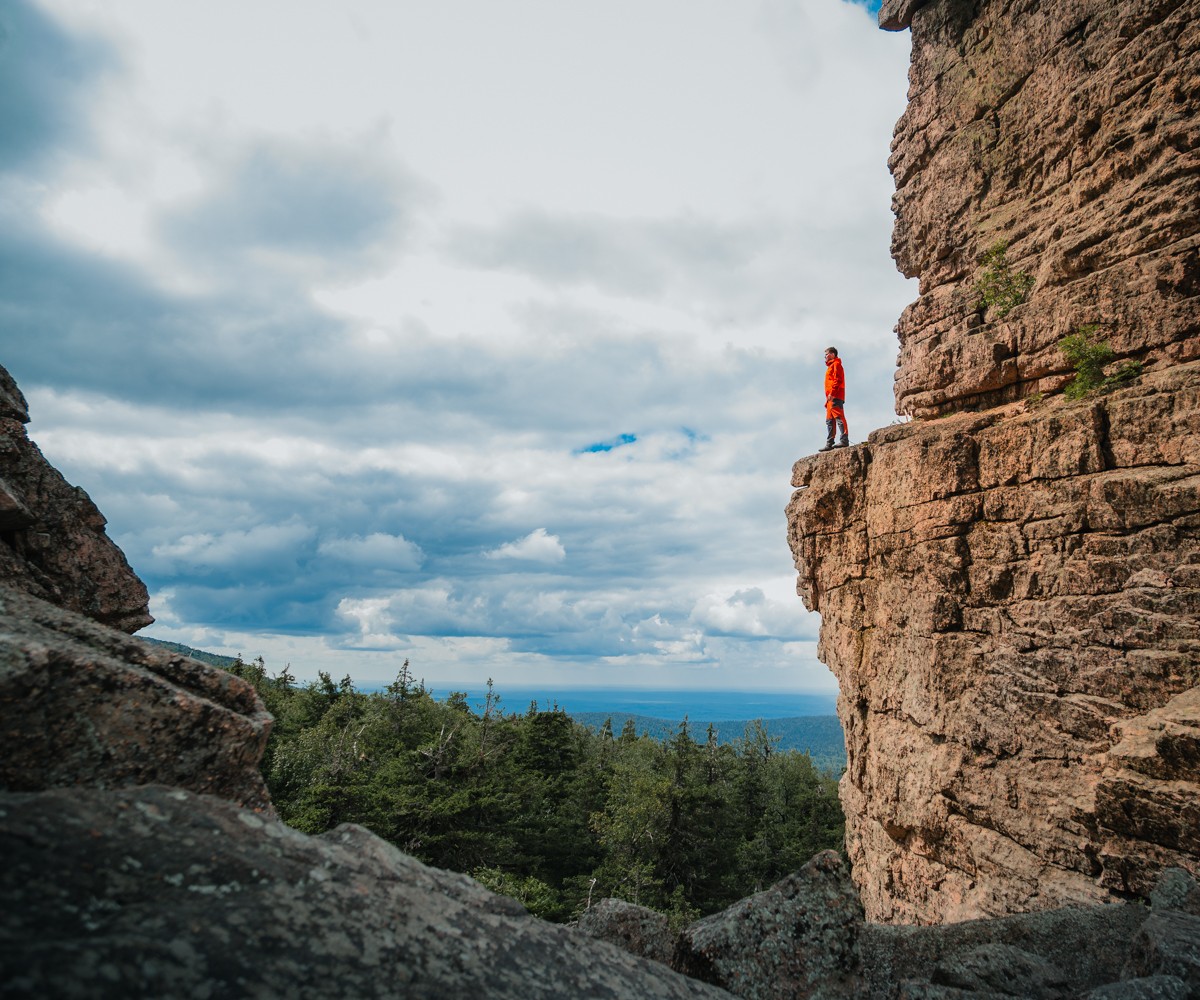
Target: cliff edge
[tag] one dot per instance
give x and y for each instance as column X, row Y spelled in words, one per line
column 1009, row 585
column 52, row 539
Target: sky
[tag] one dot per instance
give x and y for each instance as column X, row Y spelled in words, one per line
column 479, row 334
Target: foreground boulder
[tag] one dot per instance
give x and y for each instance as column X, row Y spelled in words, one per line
column 157, row 892
column 636, row 929
column 806, row 937
column 85, row 705
column 797, row 939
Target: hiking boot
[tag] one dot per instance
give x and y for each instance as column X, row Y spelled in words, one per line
column 828, row 446
column 843, row 443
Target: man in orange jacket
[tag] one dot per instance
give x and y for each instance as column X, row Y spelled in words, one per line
column 835, row 400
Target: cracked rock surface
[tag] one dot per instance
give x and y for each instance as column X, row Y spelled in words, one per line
column 1011, row 603
column 158, row 892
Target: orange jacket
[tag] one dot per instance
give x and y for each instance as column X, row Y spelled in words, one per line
column 835, row 380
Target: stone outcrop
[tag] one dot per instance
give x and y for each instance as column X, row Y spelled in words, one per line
column 1071, row 132
column 806, row 937
column 157, row 892
column 52, row 539
column 1010, row 585
column 636, row 929
column 797, row 939
column 82, row 704
column 1011, row 603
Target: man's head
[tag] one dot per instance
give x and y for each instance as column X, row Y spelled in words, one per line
column 830, row 352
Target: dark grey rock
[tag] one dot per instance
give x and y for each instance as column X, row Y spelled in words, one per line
column 1089, row 945
column 915, row 990
column 797, row 939
column 640, row 931
column 1004, row 970
column 157, row 892
column 83, row 704
column 1168, row 944
column 1150, row 988
column 1176, row 890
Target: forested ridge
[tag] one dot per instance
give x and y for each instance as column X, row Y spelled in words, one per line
column 539, row 807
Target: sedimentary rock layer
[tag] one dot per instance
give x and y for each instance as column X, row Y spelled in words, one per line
column 1011, row 603
column 1069, row 131
column 52, row 539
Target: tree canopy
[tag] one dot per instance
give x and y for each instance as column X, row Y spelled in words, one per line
column 539, row 807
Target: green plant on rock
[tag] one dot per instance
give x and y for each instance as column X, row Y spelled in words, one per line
column 1090, row 355
column 999, row 287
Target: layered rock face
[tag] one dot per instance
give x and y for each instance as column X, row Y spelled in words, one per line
column 52, row 540
column 1010, row 593
column 1068, row 130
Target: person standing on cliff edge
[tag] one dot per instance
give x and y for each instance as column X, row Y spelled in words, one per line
column 835, row 400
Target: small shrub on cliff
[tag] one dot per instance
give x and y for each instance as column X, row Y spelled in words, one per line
column 1090, row 356
column 999, row 287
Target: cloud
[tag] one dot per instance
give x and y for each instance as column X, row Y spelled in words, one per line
column 310, row 208
column 384, row 314
column 376, row 551
column 749, row 614
column 252, row 550
column 632, row 257
column 43, row 73
column 537, row 546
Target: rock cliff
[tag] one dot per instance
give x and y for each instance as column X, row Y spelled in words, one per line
column 1069, row 132
column 52, row 539
column 1010, row 585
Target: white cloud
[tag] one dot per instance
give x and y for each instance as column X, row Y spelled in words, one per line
column 401, row 281
column 231, row 550
column 537, row 546
column 377, row 550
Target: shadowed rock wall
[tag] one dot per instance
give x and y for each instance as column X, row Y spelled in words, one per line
column 1010, row 594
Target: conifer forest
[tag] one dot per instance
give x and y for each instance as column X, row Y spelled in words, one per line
column 539, row 807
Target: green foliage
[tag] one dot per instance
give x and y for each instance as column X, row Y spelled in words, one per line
column 539, row 807
column 999, row 287
column 1090, row 356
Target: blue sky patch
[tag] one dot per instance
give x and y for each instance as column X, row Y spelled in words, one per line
column 609, row 445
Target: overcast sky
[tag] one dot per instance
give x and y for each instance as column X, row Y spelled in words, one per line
column 482, row 333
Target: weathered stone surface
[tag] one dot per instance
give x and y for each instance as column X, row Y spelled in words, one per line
column 84, row 704
column 52, row 539
column 1168, row 944
column 1149, row 988
column 895, row 15
column 1070, row 130
column 1176, row 890
column 797, row 939
column 1003, row 969
column 1073, row 949
column 1011, row 603
column 156, row 892
column 640, row 931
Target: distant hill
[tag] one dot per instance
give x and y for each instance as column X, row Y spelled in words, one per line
column 215, row 659
column 818, row 735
